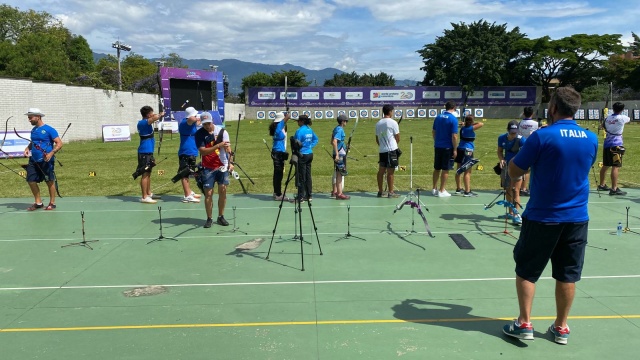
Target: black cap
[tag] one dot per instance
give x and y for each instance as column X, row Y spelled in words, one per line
column 513, row 125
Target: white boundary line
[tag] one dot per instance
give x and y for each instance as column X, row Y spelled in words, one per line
column 320, row 282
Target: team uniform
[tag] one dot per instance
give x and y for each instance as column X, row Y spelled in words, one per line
column 215, row 165
column 556, row 218
column 465, row 146
column 279, row 155
column 526, row 127
column 339, row 134
column 147, row 144
column 188, row 152
column 39, row 170
column 309, row 140
column 510, row 149
column 613, row 148
column 445, row 125
column 386, row 129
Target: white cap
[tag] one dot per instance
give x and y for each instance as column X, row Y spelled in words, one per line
column 191, row 111
column 34, row 111
column 279, row 117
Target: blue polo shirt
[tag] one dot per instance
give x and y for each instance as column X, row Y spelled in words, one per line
column 560, row 157
column 146, row 145
column 308, row 138
column 42, row 137
column 468, row 133
column 445, row 125
column 338, row 133
column 280, row 138
column 187, row 138
column 510, row 147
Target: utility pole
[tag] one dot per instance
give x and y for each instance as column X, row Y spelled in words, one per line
column 120, row 46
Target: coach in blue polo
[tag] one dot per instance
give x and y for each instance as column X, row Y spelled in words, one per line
column 555, row 221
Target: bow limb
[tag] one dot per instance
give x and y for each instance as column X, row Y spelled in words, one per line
column 424, row 218
column 351, row 136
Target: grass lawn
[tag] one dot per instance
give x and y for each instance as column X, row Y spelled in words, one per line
column 113, row 163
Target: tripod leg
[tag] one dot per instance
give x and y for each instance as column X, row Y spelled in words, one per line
column 315, row 228
column 299, row 205
column 273, row 233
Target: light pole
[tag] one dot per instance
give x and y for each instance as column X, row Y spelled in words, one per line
column 120, row 46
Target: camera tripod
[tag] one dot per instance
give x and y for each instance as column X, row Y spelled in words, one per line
column 298, row 206
column 409, row 198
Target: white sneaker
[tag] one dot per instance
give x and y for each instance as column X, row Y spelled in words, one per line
column 197, row 196
column 155, row 197
column 443, row 194
column 190, row 199
column 148, row 200
column 434, row 192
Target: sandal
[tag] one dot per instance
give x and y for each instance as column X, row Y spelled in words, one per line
column 50, row 206
column 35, row 207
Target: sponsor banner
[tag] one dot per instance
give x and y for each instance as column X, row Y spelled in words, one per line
column 478, row 113
column 353, row 114
column 375, row 114
column 329, row 114
column 593, row 114
column 261, row 115
column 416, row 96
column 392, row 95
column 636, row 114
column 422, row 113
column 364, row 114
column 168, row 125
column 13, row 145
column 318, row 114
column 433, row 113
column 411, row 113
column 115, row 133
column 332, row 95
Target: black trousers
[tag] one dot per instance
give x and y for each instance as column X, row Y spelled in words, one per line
column 303, row 176
column 278, row 172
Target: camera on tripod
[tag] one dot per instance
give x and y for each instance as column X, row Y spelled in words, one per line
column 141, row 170
column 296, row 146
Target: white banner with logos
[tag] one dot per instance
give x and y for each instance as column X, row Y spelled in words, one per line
column 116, row 133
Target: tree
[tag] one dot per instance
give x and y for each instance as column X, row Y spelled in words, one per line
column 15, row 23
column 295, row 78
column 173, row 60
column 470, row 56
column 80, row 54
column 635, row 45
column 139, row 74
column 40, row 56
column 353, row 79
column 344, row 79
column 575, row 60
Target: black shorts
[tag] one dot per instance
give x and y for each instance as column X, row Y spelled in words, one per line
column 463, row 155
column 186, row 161
column 144, row 159
column 563, row 243
column 388, row 159
column 443, row 159
column 609, row 158
column 41, row 171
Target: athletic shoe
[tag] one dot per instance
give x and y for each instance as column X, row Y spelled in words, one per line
column 221, row 221
column 155, row 197
column 459, row 191
column 333, row 194
column 470, row 194
column 519, row 331
column 343, row 197
column 197, row 196
column 508, row 216
column 298, row 199
column 148, row 200
column 379, row 195
column 280, row 198
column 190, row 199
column 517, row 220
column 208, row 223
column 617, row 192
column 561, row 335
column 393, row 195
column 434, row 192
column 603, row 187
column 525, row 192
column 443, row 193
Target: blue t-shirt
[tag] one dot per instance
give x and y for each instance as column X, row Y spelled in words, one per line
column 445, row 125
column 308, row 138
column 280, row 138
column 560, row 157
column 510, row 147
column 187, row 138
column 338, row 133
column 42, row 138
column 468, row 133
column 146, row 145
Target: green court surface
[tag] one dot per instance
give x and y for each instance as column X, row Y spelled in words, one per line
column 383, row 293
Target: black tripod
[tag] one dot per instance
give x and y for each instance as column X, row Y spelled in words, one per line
column 161, row 237
column 348, row 234
column 85, row 243
column 235, row 228
column 298, row 206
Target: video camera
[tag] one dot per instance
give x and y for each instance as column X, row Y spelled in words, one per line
column 296, row 146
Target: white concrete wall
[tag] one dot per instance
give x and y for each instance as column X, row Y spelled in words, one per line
column 86, row 108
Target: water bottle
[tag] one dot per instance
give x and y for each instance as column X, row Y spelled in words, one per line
column 619, row 229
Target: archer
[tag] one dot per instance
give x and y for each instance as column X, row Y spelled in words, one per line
column 146, row 161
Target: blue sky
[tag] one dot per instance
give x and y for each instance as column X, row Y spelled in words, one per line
column 365, row 36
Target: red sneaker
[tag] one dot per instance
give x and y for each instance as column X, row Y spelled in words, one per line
column 342, row 197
